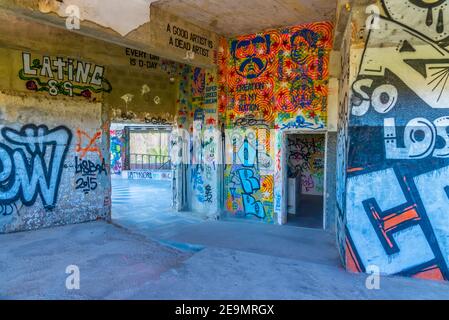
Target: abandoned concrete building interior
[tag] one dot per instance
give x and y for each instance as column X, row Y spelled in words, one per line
column 330, row 117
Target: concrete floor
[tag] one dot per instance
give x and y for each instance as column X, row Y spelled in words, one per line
column 146, row 206
column 112, row 261
column 140, row 199
column 164, row 255
column 309, row 214
column 116, row 263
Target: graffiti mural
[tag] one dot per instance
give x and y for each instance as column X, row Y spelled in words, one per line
column 197, row 114
column 399, row 145
column 117, row 147
column 32, row 161
column 306, row 161
column 86, row 143
column 87, row 168
column 88, row 172
column 249, row 174
column 63, row 76
column 269, row 82
column 280, row 71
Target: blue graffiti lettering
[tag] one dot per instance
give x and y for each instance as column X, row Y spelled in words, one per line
column 34, row 166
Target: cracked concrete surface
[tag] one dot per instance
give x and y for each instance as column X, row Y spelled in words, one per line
column 116, row 263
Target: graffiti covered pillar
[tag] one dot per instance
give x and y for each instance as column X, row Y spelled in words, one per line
column 393, row 195
column 196, row 142
column 206, row 143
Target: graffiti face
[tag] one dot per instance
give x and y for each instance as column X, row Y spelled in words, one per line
column 251, row 56
column 304, row 45
column 199, row 82
column 302, row 92
column 32, row 163
column 434, row 12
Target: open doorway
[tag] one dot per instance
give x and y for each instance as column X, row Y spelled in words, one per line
column 305, row 155
column 142, row 187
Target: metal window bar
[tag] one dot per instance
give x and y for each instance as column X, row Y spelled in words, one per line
column 149, row 162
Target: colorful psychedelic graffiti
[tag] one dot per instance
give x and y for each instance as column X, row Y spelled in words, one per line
column 197, row 114
column 274, row 80
column 280, row 71
column 398, row 128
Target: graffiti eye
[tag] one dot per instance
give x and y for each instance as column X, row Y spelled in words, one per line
column 260, row 48
column 242, row 52
column 419, row 135
column 427, row 3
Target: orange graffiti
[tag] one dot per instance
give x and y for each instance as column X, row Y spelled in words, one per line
column 431, row 273
column 91, row 145
column 267, row 186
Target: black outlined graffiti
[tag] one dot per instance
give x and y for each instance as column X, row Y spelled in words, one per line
column 89, row 172
column 32, row 164
column 250, row 121
column 8, row 209
column 208, row 194
column 140, row 175
column 435, row 14
column 300, row 154
column 399, row 145
column 157, row 121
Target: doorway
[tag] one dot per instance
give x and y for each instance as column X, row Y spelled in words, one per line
column 305, row 155
column 142, row 174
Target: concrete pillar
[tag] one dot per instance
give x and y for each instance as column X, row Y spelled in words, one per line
column 393, row 139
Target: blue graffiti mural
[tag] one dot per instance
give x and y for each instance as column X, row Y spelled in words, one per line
column 249, row 183
column 31, row 164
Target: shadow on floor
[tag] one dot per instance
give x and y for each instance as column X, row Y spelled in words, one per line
column 309, row 214
column 145, row 206
column 317, row 246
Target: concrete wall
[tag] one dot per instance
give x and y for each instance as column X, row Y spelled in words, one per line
column 283, row 88
column 330, row 212
column 394, row 197
column 59, row 92
column 54, row 141
column 135, row 25
column 49, row 174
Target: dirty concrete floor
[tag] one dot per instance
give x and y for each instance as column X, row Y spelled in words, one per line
column 111, row 260
column 116, row 263
column 146, row 205
column 140, row 199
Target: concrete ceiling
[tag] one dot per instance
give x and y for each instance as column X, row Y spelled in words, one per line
column 238, row 17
